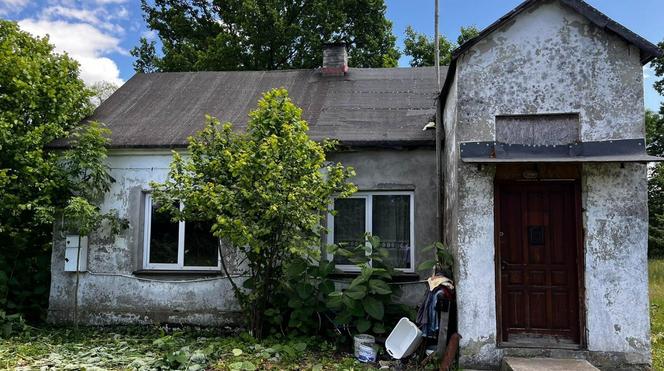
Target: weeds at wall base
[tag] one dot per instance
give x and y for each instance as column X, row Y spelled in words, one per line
column 167, row 348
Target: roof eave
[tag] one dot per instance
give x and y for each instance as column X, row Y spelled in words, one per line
column 350, row 144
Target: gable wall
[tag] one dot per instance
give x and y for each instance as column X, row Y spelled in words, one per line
column 552, row 60
column 547, row 60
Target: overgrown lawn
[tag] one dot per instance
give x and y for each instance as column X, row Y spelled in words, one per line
column 154, row 348
column 656, row 273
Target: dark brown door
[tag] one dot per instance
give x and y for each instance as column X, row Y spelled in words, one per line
column 538, row 262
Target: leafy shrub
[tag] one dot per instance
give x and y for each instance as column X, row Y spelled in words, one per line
column 367, row 304
column 301, row 302
column 25, row 276
column 308, row 302
column 12, row 325
column 43, row 99
column 442, row 262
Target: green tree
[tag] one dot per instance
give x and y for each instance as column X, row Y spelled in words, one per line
column 421, row 48
column 266, row 192
column 658, row 65
column 263, row 35
column 467, row 33
column 655, row 146
column 41, row 100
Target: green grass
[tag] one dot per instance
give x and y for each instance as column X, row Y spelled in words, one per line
column 656, row 275
column 155, row 348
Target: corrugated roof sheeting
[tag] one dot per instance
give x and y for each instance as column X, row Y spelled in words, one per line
column 365, row 106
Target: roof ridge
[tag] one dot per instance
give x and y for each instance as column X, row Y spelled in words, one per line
column 289, row 70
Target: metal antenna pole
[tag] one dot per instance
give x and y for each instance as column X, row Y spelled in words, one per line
column 437, row 44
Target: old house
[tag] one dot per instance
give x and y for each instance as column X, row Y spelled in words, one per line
column 535, row 175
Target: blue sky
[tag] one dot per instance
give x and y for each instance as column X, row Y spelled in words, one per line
column 100, row 33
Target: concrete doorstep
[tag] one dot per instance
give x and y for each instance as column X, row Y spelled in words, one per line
column 548, row 364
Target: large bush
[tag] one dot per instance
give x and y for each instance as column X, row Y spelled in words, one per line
column 265, row 190
column 41, row 99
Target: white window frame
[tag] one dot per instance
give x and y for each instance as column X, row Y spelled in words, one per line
column 147, row 231
column 368, row 223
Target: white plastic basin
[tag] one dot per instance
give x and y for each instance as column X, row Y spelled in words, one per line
column 404, row 339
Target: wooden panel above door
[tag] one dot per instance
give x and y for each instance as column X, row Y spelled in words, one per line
column 538, row 171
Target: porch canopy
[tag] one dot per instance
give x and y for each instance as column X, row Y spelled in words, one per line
column 624, row 150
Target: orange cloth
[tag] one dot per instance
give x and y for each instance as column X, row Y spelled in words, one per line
column 435, row 281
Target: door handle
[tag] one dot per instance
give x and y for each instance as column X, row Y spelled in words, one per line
column 503, row 264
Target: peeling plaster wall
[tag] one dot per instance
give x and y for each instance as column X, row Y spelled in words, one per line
column 468, row 231
column 110, row 293
column 552, row 60
column 549, row 59
column 616, row 239
column 406, row 170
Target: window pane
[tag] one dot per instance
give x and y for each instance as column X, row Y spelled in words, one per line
column 391, row 222
column 349, row 223
column 163, row 238
column 200, row 246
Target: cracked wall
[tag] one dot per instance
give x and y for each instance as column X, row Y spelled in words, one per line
column 550, row 60
column 616, row 278
column 113, row 292
column 110, row 292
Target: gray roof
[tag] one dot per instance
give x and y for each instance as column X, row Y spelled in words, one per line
column 387, row 106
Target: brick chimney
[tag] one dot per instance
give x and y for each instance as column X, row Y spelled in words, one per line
column 335, row 59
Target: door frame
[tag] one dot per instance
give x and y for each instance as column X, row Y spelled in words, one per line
column 580, row 258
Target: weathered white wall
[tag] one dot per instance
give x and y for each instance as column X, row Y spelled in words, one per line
column 616, row 243
column 552, row 60
column 407, row 170
column 468, row 231
column 110, row 292
column 549, row 59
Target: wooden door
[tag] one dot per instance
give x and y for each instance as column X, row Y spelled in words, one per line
column 537, row 259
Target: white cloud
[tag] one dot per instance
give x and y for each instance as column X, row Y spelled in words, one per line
column 83, row 42
column 84, row 15
column 7, row 6
column 103, row 2
column 95, row 69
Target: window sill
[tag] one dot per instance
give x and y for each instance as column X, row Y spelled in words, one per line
column 175, row 272
column 398, row 276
